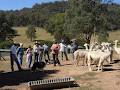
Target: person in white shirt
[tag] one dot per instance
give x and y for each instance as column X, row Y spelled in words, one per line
column 13, row 57
column 63, row 49
column 36, row 50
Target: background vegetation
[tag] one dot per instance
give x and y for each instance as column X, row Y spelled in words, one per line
column 80, row 19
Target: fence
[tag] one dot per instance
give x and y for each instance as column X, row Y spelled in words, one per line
column 3, row 53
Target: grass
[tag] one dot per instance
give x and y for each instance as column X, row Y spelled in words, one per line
column 88, row 88
column 118, row 76
column 86, row 76
column 41, row 34
column 114, row 35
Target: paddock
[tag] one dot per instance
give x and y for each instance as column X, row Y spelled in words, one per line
column 109, row 79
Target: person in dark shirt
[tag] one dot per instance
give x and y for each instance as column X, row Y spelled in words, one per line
column 46, row 52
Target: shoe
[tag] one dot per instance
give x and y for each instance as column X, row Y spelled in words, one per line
column 12, row 69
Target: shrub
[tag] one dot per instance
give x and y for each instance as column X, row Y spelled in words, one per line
column 5, row 44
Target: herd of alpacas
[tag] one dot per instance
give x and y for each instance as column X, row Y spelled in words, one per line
column 96, row 54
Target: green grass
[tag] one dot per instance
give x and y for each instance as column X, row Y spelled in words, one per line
column 41, row 34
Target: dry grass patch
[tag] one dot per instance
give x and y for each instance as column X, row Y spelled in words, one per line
column 41, row 34
column 86, row 76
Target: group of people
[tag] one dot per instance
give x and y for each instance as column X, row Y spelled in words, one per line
column 38, row 51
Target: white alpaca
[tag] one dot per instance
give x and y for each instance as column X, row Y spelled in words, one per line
column 81, row 53
column 117, row 50
column 108, row 47
column 99, row 56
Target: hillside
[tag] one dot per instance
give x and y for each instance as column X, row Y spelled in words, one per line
column 114, row 35
column 41, row 34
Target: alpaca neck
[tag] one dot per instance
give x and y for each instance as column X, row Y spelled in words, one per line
column 115, row 45
column 86, row 47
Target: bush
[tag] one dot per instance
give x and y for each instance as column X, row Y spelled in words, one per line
column 5, row 44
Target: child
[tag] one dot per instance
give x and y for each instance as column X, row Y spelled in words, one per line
column 29, row 56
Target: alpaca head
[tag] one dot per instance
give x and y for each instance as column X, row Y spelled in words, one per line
column 116, row 41
column 86, row 44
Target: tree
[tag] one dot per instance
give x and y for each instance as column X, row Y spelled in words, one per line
column 55, row 25
column 6, row 32
column 87, row 17
column 30, row 32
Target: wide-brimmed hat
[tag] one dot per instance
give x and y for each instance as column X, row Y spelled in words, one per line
column 36, row 42
column 21, row 44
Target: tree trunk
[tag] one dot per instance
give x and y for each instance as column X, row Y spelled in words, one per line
column 31, row 39
column 88, row 38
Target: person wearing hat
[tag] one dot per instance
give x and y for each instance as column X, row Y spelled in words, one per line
column 63, row 49
column 13, row 56
column 20, row 53
column 55, row 50
column 36, row 50
column 29, row 56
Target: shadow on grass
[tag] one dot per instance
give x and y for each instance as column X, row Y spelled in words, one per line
column 17, row 77
column 107, row 65
column 86, row 76
column 110, row 69
column 116, row 61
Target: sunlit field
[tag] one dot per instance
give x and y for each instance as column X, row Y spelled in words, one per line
column 41, row 34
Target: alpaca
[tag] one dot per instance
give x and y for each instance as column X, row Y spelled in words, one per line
column 81, row 53
column 117, row 50
column 98, row 55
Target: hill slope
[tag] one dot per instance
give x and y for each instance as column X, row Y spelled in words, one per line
column 41, row 34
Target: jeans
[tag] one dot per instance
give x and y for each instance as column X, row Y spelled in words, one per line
column 13, row 58
column 64, row 54
column 36, row 57
column 20, row 59
column 29, row 61
column 46, row 53
column 55, row 59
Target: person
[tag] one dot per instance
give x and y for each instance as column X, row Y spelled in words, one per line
column 13, row 57
column 55, row 50
column 36, row 50
column 63, row 49
column 40, row 52
column 46, row 52
column 29, row 56
column 74, row 47
column 20, row 53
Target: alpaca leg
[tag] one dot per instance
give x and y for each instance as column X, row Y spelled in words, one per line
column 78, row 59
column 99, row 65
column 102, row 66
column 86, row 61
column 89, row 64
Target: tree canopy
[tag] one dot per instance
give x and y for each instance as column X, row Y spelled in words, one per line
column 87, row 17
column 6, row 32
column 30, row 32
